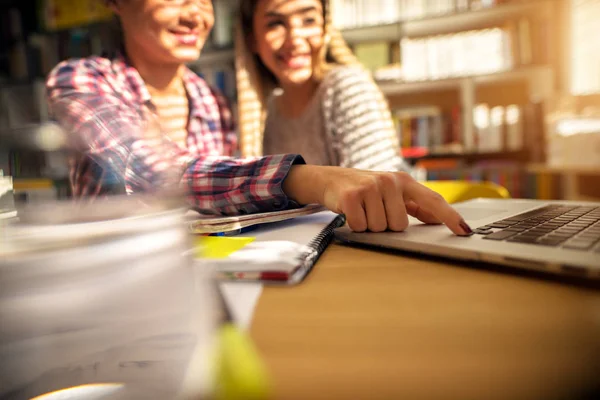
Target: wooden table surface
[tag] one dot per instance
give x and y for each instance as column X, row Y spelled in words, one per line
column 375, row 325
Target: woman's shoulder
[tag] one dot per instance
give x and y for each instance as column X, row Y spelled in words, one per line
column 87, row 64
column 80, row 72
column 344, row 86
column 342, row 75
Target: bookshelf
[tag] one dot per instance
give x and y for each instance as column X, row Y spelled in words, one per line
column 437, row 60
column 568, row 182
column 468, row 156
column 450, row 23
column 540, row 77
column 38, row 172
column 385, row 32
column 477, row 19
column 35, row 36
column 564, row 169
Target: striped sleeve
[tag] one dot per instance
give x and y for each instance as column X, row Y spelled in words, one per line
column 360, row 121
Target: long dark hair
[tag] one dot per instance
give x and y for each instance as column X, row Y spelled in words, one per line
column 116, row 42
column 255, row 81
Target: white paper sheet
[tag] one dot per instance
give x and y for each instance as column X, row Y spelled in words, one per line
column 241, row 298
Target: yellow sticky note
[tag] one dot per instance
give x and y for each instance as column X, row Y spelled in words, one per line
column 220, row 246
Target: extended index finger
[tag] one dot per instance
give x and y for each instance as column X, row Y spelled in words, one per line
column 434, row 204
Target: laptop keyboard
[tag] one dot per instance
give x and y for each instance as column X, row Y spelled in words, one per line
column 569, row 227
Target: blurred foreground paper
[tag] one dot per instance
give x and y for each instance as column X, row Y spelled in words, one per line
column 241, row 298
column 97, row 301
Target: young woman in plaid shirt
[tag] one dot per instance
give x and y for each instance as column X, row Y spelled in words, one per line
column 143, row 121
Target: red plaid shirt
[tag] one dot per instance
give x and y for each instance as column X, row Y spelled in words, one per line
column 106, row 108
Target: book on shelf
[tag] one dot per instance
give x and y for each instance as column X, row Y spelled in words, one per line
column 426, row 126
column 461, row 54
column 502, row 128
column 534, row 125
column 354, row 13
column 512, row 175
column 424, row 130
column 43, row 172
column 509, row 174
column 357, row 13
column 544, row 186
column 490, row 128
column 505, row 46
column 23, row 163
column 514, row 133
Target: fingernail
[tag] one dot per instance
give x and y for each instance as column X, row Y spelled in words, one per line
column 465, row 227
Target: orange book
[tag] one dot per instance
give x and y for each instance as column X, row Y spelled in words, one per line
column 441, row 163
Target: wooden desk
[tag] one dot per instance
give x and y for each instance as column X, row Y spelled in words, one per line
column 371, row 325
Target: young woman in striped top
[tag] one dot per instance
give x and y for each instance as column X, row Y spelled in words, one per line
column 302, row 90
column 143, row 121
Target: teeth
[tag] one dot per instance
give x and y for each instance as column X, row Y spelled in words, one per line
column 187, row 37
column 294, row 57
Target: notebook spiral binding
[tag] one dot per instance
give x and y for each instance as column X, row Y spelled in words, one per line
column 316, row 247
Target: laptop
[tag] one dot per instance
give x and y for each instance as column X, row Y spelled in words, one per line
column 560, row 237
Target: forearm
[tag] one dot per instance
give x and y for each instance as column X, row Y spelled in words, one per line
column 305, row 184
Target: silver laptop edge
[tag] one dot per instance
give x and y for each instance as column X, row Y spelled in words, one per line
column 437, row 240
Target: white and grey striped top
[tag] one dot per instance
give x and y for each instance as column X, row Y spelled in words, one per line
column 347, row 124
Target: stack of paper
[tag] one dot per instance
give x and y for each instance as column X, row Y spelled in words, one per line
column 199, row 223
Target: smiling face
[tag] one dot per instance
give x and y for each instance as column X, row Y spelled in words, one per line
column 165, row 31
column 288, row 37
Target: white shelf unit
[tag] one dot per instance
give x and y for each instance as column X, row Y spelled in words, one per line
column 577, row 182
column 541, row 79
column 450, row 23
column 476, row 19
column 22, row 104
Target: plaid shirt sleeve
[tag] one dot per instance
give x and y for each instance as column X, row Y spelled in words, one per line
column 83, row 98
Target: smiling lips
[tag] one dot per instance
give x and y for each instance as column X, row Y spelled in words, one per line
column 186, row 38
column 295, row 61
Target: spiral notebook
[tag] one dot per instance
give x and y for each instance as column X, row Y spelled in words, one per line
column 281, row 252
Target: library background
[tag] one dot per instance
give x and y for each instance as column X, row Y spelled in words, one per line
column 506, row 91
